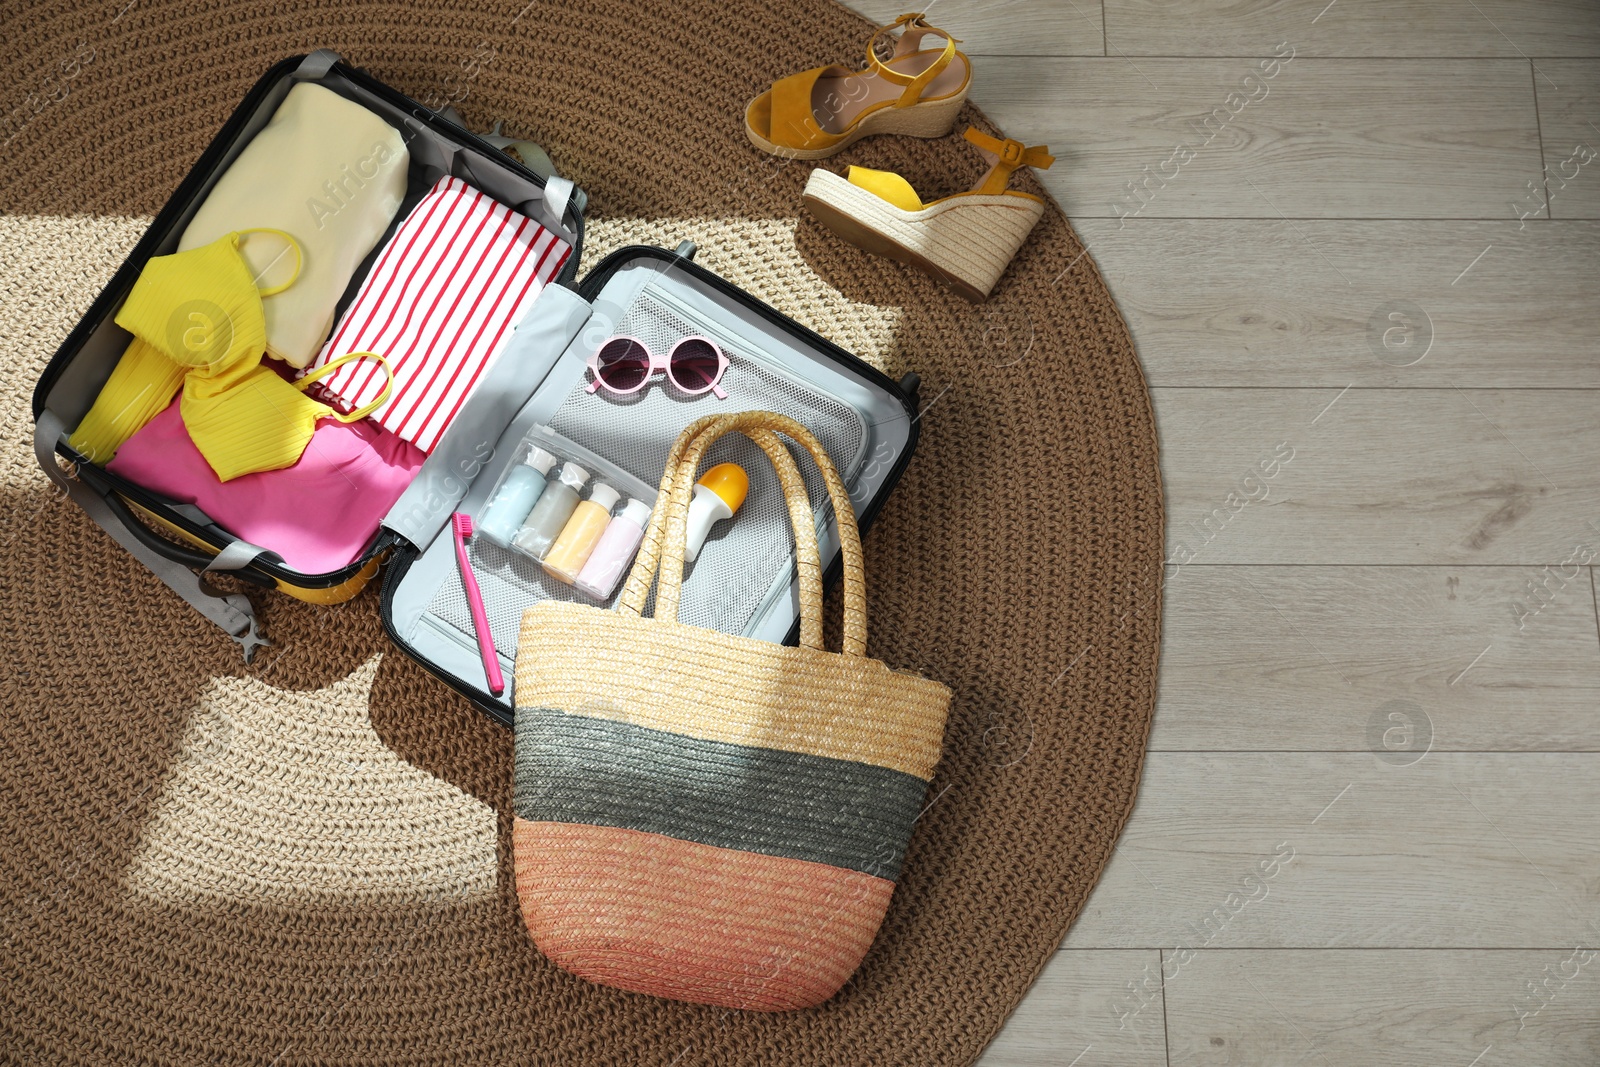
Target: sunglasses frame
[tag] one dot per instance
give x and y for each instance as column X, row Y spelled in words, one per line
column 659, row 363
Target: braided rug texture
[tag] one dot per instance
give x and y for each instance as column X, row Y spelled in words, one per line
column 307, row 860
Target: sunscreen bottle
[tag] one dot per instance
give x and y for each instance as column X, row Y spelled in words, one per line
column 717, row 495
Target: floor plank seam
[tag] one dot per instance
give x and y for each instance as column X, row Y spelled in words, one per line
column 1594, row 600
column 1166, row 1030
column 1538, row 125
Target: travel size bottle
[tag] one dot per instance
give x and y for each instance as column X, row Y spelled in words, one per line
column 549, row 516
column 614, row 552
column 508, row 509
column 717, row 495
column 578, row 538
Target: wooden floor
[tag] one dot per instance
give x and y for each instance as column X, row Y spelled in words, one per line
column 1369, row 830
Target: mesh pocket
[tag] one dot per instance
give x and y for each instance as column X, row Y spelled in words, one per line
column 735, row 572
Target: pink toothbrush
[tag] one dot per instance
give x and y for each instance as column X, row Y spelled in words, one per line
column 462, row 524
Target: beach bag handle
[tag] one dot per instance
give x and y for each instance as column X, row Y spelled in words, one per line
column 669, row 521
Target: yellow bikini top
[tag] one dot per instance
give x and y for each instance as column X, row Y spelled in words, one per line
column 197, row 322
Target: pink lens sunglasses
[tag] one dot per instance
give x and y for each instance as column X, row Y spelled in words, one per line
column 625, row 364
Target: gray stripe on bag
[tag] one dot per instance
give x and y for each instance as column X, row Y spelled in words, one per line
column 601, row 772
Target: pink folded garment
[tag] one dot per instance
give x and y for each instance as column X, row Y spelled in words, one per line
column 439, row 304
column 319, row 514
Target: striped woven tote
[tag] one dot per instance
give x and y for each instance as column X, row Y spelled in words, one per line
column 709, row 817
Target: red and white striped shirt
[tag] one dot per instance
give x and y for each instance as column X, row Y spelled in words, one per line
column 439, row 305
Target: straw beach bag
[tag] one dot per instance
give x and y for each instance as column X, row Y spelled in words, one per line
column 709, row 817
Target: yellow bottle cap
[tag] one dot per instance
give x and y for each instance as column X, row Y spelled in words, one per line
column 728, row 481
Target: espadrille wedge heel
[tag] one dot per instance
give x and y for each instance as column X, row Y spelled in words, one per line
column 815, row 113
column 965, row 240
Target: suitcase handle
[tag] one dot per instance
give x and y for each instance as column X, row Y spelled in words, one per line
column 189, row 557
column 231, row 612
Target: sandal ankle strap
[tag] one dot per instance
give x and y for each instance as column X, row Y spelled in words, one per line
column 1009, row 155
column 914, row 27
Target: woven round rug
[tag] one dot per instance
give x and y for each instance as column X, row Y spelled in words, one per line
column 307, row 860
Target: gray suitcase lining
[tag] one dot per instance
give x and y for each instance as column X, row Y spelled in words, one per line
column 743, row 579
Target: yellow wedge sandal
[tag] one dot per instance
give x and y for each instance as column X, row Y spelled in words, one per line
column 965, row 240
column 917, row 92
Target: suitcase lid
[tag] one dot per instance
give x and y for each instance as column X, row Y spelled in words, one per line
column 865, row 419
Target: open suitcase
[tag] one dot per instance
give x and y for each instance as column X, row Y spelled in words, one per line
column 534, row 393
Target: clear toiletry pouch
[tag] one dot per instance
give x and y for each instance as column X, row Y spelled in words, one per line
column 704, row 816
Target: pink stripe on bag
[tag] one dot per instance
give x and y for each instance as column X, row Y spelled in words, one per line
column 440, row 303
